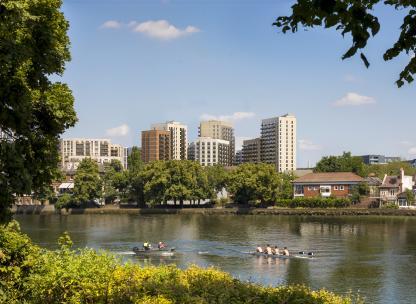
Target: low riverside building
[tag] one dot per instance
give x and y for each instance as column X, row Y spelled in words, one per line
column 328, row 184
column 393, row 189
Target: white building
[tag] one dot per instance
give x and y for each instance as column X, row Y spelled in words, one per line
column 178, row 138
column 278, row 139
column 210, row 151
column 218, row 129
column 74, row 150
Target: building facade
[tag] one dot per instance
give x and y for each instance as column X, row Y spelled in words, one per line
column 210, row 151
column 328, row 184
column 251, row 151
column 393, row 189
column 374, row 159
column 278, row 142
column 178, row 138
column 74, row 150
column 156, row 145
column 218, row 129
column 238, row 158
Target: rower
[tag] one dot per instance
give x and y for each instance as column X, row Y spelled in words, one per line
column 276, row 250
column 161, row 245
column 259, row 249
column 285, row 251
column 147, row 246
column 269, row 249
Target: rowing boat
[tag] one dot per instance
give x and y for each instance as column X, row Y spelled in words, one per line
column 155, row 251
column 280, row 256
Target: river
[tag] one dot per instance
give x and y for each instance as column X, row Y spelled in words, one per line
column 372, row 256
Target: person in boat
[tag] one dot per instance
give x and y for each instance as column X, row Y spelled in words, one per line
column 269, row 249
column 161, row 245
column 259, row 249
column 147, row 246
column 276, row 250
column 285, row 251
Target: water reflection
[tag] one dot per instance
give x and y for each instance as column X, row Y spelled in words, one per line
column 375, row 256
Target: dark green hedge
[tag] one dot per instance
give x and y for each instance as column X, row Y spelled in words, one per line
column 317, row 202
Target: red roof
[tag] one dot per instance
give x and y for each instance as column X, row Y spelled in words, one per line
column 330, row 177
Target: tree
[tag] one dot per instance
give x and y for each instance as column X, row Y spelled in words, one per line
column 114, row 180
column 34, row 111
column 356, row 17
column 343, row 163
column 410, row 197
column 217, row 177
column 392, row 168
column 135, row 185
column 255, row 183
column 87, row 182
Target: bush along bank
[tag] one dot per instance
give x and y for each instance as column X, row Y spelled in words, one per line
column 29, row 274
column 313, row 203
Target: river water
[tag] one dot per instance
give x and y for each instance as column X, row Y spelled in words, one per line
column 372, row 256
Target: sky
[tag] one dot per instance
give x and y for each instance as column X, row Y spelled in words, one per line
column 138, row 62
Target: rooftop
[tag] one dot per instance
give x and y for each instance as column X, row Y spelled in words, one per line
column 329, row 177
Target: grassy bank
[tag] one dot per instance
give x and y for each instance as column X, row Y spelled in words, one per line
column 29, row 274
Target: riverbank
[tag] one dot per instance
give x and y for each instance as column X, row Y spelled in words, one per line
column 49, row 209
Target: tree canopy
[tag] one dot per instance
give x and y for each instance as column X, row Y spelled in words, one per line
column 87, row 182
column 343, row 163
column 34, row 110
column 356, row 17
column 258, row 183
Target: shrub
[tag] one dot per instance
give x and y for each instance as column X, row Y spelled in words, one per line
column 390, row 206
column 31, row 275
column 317, row 202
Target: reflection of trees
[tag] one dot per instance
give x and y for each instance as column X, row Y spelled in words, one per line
column 298, row 272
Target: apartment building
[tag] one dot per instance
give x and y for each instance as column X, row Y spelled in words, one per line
column 178, row 138
column 210, row 151
column 251, row 152
column 156, row 145
column 374, row 159
column 74, row 150
column 218, row 129
column 278, row 142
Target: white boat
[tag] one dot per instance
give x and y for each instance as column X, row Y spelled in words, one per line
column 155, row 251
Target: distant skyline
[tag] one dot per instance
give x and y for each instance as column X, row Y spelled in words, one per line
column 135, row 63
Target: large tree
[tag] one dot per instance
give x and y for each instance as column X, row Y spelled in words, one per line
column 343, row 163
column 34, row 110
column 256, row 183
column 87, row 182
column 356, row 17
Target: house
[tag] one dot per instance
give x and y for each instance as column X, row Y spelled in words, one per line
column 374, row 184
column 335, row 184
column 393, row 189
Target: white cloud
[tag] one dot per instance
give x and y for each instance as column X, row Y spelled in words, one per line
column 412, row 151
column 162, row 29
column 307, row 145
column 354, row 99
column 236, row 116
column 119, row 131
column 111, row 24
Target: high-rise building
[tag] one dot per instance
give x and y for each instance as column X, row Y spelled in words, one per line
column 74, row 150
column 238, row 159
column 251, row 152
column 156, row 145
column 210, row 151
column 178, row 138
column 218, row 129
column 278, row 142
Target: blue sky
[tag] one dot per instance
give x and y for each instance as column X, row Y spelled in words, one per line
column 139, row 62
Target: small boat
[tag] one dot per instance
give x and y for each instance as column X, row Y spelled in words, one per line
column 154, row 251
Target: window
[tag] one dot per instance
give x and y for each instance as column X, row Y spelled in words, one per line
column 335, row 187
column 341, row 188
